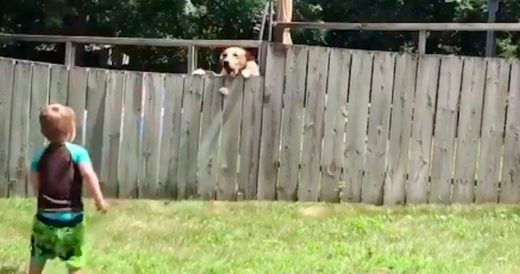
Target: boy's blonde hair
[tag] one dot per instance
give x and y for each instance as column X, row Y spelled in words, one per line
column 58, row 123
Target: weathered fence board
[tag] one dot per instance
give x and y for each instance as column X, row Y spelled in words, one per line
column 334, row 124
column 130, row 141
column 381, row 99
column 355, row 145
column 292, row 122
column 422, row 130
column 400, row 129
column 510, row 185
column 468, row 133
column 229, row 145
column 250, row 138
column 96, row 94
column 171, row 132
column 6, row 93
column 189, row 141
column 323, row 124
column 271, row 121
column 59, row 84
column 112, row 133
column 39, row 97
column 18, row 158
column 309, row 187
column 495, row 100
column 445, row 129
column 77, row 99
column 149, row 163
column 210, row 139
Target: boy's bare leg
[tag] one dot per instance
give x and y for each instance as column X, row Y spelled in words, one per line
column 36, row 267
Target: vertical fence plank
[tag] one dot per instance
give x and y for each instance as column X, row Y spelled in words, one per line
column 271, row 121
column 250, row 137
column 309, row 187
column 510, row 186
column 445, row 129
column 39, row 97
column 130, row 139
column 173, row 85
column 292, row 121
column 334, row 124
column 422, row 129
column 211, row 123
column 6, row 93
column 149, row 164
column 229, row 145
column 59, row 84
column 18, row 158
column 468, row 133
column 77, row 99
column 400, row 129
column 495, row 100
column 382, row 86
column 189, row 142
column 96, row 95
column 112, row 133
column 355, row 146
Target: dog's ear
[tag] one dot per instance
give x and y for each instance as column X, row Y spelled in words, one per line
column 220, row 51
column 250, row 56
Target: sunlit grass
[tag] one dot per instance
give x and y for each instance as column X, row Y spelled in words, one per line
column 212, row 237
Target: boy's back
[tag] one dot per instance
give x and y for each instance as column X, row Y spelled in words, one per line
column 59, row 176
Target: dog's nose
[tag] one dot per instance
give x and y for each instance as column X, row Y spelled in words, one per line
column 226, row 62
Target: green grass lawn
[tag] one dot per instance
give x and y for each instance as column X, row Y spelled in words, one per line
column 208, row 237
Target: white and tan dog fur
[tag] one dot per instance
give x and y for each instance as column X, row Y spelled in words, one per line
column 234, row 61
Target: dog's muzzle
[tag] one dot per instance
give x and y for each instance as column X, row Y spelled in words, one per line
column 226, row 66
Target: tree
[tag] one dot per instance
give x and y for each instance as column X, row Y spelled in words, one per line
column 241, row 19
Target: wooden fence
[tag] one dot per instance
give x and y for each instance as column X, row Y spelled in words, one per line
column 323, row 124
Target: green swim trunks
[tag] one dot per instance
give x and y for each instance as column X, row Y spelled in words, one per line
column 53, row 238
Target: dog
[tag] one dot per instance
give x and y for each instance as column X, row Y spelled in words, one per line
column 234, row 61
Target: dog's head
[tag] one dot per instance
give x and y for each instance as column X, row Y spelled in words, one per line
column 234, row 59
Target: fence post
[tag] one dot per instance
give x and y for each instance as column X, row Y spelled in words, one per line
column 490, row 35
column 264, row 21
column 192, row 58
column 421, row 47
column 70, row 54
column 262, row 56
column 271, row 16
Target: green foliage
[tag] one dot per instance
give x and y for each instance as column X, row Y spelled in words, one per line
column 233, row 19
column 242, row 19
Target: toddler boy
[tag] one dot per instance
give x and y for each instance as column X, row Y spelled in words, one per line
column 56, row 174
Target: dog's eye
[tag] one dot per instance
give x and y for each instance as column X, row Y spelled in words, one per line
column 235, row 55
column 224, row 55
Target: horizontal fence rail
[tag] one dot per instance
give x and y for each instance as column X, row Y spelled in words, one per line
column 72, row 42
column 401, row 26
column 421, row 28
column 128, row 41
column 323, row 124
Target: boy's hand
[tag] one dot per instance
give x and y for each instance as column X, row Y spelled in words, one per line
column 102, row 207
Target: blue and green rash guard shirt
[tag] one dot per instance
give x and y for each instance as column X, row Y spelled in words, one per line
column 60, row 180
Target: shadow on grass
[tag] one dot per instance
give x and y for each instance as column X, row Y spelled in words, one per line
column 10, row 270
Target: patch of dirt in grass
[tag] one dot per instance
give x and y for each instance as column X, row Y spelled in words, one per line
column 315, row 212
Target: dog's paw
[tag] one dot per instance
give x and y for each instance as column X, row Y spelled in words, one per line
column 199, row 72
column 224, row 91
column 246, row 73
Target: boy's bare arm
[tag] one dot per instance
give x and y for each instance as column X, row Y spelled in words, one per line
column 34, row 181
column 92, row 181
